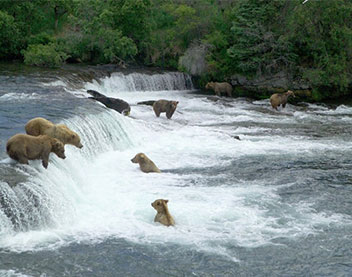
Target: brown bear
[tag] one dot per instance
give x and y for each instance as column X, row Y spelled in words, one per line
column 41, row 126
column 145, row 164
column 220, row 88
column 163, row 215
column 23, row 147
column 280, row 99
column 162, row 106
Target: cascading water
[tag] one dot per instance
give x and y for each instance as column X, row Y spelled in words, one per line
column 235, row 202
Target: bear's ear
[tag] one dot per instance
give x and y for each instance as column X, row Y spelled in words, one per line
column 176, row 102
column 166, row 200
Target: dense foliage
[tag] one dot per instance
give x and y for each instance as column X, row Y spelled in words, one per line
column 311, row 41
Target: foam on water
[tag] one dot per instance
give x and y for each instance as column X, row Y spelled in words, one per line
column 19, row 96
column 12, row 273
column 97, row 193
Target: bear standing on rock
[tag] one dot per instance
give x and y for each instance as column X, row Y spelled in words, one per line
column 220, row 88
column 145, row 164
column 41, row 126
column 165, row 106
column 23, row 147
column 280, row 99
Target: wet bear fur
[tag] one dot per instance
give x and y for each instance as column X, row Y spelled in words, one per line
column 23, row 147
column 219, row 88
column 41, row 126
column 163, row 215
column 145, row 164
column 278, row 99
column 165, row 106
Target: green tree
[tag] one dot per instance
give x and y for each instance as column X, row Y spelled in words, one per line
column 9, row 37
column 258, row 48
column 322, row 35
column 93, row 35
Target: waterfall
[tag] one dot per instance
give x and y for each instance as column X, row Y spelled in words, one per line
column 41, row 200
column 119, row 82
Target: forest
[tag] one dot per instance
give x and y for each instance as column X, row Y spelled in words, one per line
column 309, row 41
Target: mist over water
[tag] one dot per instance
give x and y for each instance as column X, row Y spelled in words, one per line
column 279, row 196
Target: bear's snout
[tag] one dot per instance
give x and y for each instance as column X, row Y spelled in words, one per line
column 134, row 160
column 80, row 145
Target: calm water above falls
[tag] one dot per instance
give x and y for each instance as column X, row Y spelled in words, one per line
column 275, row 203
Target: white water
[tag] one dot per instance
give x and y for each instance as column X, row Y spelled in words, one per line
column 97, row 193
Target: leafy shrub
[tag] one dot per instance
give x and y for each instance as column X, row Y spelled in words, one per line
column 42, row 38
column 44, row 55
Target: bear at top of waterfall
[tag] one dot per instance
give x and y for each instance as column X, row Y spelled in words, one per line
column 165, row 106
column 145, row 164
column 41, row 126
column 163, row 215
column 278, row 99
column 23, row 147
column 219, row 88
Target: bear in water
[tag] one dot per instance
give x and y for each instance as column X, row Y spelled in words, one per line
column 23, row 147
column 280, row 99
column 163, row 215
column 165, row 106
column 41, row 126
column 145, row 164
column 220, row 88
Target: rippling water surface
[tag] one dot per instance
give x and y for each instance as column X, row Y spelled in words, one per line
column 277, row 202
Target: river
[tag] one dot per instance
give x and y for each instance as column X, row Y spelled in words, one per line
column 277, row 202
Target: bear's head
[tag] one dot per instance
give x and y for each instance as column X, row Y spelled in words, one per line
column 140, row 157
column 209, row 85
column 58, row 148
column 172, row 105
column 75, row 140
column 160, row 205
column 290, row 93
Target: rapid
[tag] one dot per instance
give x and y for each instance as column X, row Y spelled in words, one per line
column 276, row 202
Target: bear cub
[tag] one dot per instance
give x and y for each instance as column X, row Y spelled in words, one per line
column 163, row 215
column 23, row 147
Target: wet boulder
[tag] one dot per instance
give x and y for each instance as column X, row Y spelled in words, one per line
column 116, row 104
column 94, row 93
column 148, row 103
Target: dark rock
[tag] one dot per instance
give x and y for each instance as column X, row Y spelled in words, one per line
column 213, row 98
column 149, row 103
column 94, row 93
column 194, row 59
column 279, row 82
column 116, row 104
column 236, row 137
